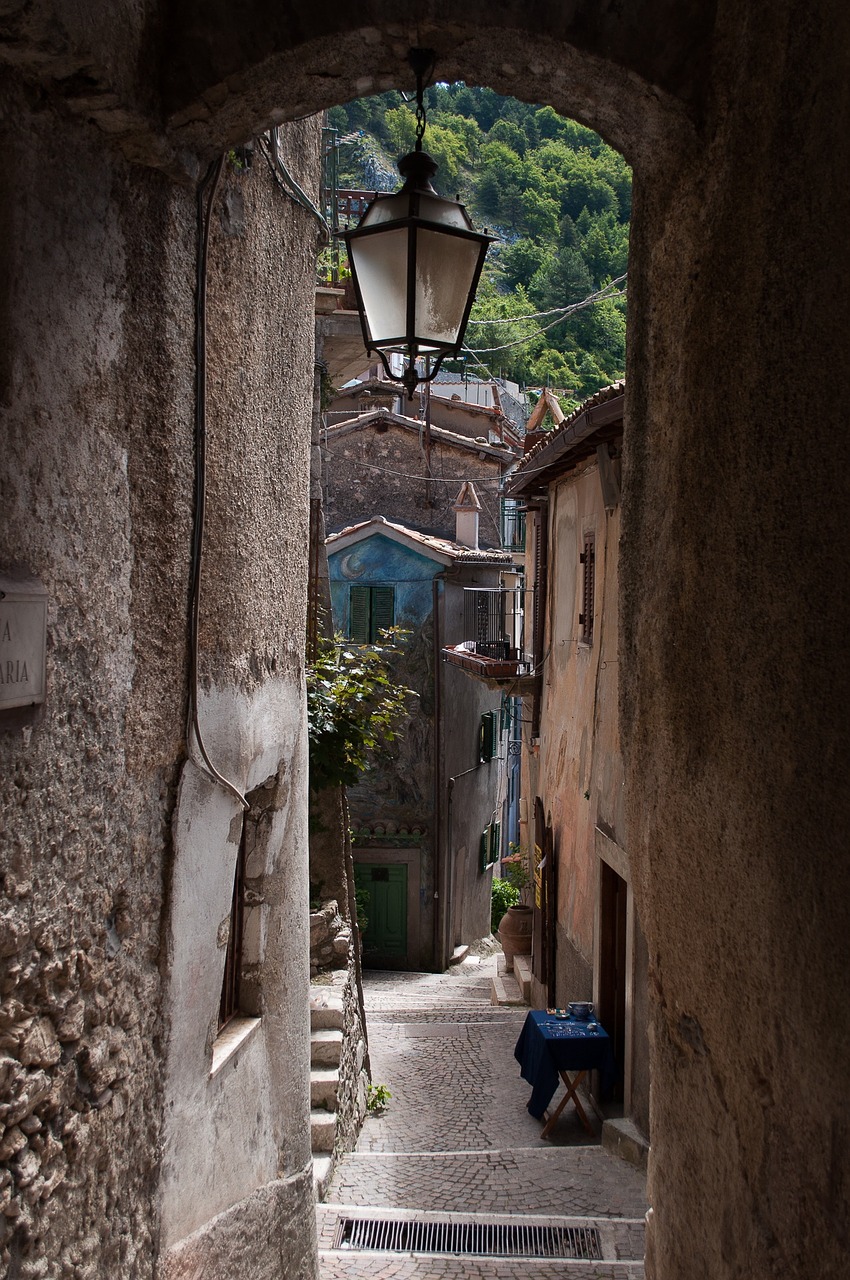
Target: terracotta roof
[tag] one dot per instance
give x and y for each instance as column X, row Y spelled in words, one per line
column 454, row 551
column 502, row 453
column 560, row 447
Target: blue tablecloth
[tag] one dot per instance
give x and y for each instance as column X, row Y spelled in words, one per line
column 548, row 1045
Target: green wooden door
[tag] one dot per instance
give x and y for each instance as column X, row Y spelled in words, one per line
column 384, row 887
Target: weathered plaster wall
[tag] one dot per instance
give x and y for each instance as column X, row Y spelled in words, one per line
column 247, row 1126
column 581, row 779
column 96, row 284
column 734, row 672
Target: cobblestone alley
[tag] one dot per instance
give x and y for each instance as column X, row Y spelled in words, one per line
column 457, row 1142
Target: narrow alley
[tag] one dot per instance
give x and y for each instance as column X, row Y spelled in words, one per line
column 457, row 1145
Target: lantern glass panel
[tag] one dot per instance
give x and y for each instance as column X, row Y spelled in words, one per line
column 446, row 212
column 445, row 271
column 387, row 209
column 380, row 262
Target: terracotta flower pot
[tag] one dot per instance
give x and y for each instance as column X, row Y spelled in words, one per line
column 514, row 933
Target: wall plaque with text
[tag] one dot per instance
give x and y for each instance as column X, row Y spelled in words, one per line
column 23, row 634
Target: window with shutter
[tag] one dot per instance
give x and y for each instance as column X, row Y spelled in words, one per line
column 383, row 610
column 359, row 613
column 371, row 610
column 484, row 849
column 587, row 560
column 488, row 736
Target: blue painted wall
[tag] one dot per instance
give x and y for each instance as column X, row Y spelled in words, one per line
column 379, row 560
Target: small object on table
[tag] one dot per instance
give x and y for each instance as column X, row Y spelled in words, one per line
column 550, row 1047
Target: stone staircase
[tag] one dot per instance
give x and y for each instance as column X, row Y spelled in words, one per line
column 326, row 1022
column 511, row 988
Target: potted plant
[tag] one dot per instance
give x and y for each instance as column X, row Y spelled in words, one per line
column 514, row 930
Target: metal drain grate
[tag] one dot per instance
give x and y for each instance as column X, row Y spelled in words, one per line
column 488, row 1239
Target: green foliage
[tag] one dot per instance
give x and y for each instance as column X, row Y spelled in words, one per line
column 354, row 708
column 558, row 198
column 362, row 898
column 377, row 1099
column 504, row 895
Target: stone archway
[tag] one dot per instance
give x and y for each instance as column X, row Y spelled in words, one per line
column 734, row 676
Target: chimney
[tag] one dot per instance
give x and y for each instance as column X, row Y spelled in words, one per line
column 467, row 507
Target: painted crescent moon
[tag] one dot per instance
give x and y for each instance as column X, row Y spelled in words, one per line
column 349, row 570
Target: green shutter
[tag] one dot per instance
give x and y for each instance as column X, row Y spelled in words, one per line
column 495, row 841
column 484, row 850
column 383, row 611
column 358, row 614
column 492, row 732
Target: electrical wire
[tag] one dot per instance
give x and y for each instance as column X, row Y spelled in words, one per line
column 288, row 184
column 406, row 475
column 602, row 296
column 541, row 315
column 193, row 726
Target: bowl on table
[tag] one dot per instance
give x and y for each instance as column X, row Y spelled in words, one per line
column 581, row 1009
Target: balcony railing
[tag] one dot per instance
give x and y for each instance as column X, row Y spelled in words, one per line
column 493, row 647
column 512, row 521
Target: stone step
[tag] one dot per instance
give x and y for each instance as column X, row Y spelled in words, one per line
column 621, row 1137
column 326, row 1011
column 324, row 1084
column 323, row 1167
column 522, row 973
column 322, row 1130
column 325, row 1048
column 505, row 990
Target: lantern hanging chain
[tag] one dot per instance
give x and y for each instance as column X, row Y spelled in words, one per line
column 423, row 62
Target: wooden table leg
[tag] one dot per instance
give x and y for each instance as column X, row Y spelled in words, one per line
column 571, row 1086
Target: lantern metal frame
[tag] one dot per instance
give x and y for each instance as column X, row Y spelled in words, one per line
column 417, row 168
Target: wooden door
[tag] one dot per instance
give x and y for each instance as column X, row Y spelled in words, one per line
column 383, row 889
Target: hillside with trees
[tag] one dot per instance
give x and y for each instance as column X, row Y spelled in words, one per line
column 559, row 201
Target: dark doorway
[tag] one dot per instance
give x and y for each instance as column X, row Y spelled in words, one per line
column 612, row 967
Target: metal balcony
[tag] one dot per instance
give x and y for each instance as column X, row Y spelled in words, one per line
column 492, row 649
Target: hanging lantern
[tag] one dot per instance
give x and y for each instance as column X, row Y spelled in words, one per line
column 416, row 260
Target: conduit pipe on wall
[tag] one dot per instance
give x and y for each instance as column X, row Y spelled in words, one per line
column 438, row 842
column 210, row 183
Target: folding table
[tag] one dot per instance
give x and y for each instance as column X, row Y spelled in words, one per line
column 550, row 1048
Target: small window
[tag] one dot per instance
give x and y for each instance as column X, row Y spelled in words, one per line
column 587, row 560
column 488, row 736
column 229, row 1006
column 489, row 846
column 371, row 611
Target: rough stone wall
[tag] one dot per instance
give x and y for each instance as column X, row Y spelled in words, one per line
column 330, row 938
column 95, row 500
column 383, row 486
column 353, row 1080
column 734, row 672
column 96, row 393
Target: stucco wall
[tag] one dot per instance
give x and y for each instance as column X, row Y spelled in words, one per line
column 581, row 775
column 96, row 388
